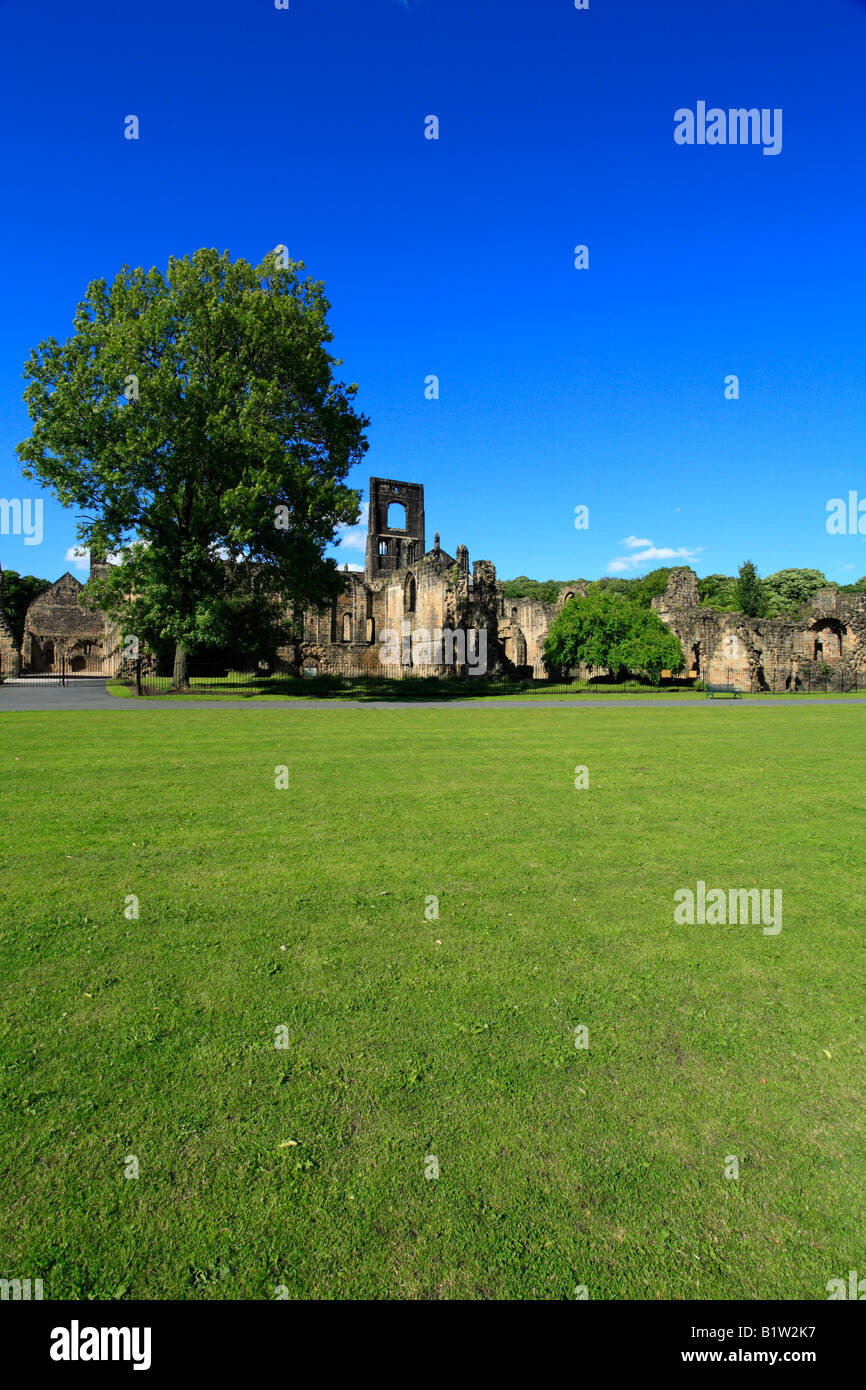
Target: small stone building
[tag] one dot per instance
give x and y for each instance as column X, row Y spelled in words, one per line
column 58, row 630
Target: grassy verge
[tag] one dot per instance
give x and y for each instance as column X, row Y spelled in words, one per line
column 411, row 1037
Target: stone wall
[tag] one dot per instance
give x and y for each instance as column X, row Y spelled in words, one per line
column 760, row 653
column 437, row 592
column 57, row 629
column 397, row 614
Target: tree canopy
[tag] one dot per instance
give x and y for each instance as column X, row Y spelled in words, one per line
column 787, row 590
column 641, row 590
column 608, row 630
column 542, row 590
column 197, row 415
column 750, row 597
column 719, row 591
column 778, row 595
column 19, row 591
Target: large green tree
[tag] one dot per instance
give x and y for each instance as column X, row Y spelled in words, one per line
column 606, row 629
column 719, row 591
column 197, row 414
column 787, row 589
column 19, row 591
column 750, row 596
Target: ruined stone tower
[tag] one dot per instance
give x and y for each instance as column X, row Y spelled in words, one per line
column 395, row 530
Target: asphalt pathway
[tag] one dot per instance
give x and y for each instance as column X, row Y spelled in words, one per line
column 18, row 696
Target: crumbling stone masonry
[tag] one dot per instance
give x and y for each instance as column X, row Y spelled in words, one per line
column 412, row 591
column 415, row 592
column 781, row 653
column 58, row 629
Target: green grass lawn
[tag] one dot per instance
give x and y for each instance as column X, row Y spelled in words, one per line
column 257, row 691
column 411, row 1038
column 248, row 686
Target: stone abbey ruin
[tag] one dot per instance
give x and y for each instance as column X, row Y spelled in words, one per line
column 411, row 591
column 59, row 631
column 829, row 638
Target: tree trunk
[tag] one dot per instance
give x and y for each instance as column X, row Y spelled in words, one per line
column 180, row 678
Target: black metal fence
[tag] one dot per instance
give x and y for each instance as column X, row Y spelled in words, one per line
column 64, row 671
column 246, row 683
column 369, row 687
column 209, row 678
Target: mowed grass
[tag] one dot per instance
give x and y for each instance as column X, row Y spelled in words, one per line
column 411, row 1038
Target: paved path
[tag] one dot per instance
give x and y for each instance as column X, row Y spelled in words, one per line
column 86, row 695
column 40, row 695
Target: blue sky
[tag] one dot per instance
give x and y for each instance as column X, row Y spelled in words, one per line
column 558, row 387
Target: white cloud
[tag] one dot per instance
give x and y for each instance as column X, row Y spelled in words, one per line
column 355, row 537
column 358, row 569
column 653, row 553
column 634, row 542
column 79, row 557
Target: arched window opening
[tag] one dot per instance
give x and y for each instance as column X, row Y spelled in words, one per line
column 409, row 599
column 347, row 627
column 396, row 516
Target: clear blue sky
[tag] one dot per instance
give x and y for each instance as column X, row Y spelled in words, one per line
column 559, row 387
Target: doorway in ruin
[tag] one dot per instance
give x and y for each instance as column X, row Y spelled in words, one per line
column 827, row 636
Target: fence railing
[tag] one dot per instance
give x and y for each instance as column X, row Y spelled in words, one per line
column 333, row 686
column 225, row 680
column 220, row 678
column 64, row 671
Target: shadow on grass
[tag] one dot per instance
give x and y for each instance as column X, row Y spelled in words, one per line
column 377, row 688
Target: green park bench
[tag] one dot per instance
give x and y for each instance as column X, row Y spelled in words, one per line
column 714, row 688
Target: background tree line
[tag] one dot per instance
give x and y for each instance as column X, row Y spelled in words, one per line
column 776, row 595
